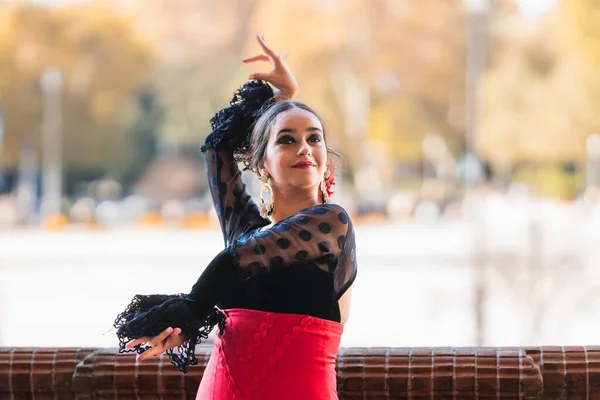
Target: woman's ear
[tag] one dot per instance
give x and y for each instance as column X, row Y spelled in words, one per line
column 263, row 173
column 329, row 166
column 330, row 170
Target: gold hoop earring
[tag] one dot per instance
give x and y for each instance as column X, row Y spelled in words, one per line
column 266, row 207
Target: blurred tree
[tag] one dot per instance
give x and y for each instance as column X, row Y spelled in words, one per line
column 418, row 59
column 102, row 62
column 384, row 74
column 580, row 20
column 198, row 46
column 143, row 137
column 541, row 95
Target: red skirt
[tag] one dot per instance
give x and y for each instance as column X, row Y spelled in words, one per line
column 271, row 356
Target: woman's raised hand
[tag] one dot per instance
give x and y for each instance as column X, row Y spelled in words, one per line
column 160, row 343
column 280, row 76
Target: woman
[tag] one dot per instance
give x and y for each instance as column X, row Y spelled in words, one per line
column 281, row 285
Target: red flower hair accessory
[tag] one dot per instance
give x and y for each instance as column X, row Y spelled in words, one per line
column 328, row 183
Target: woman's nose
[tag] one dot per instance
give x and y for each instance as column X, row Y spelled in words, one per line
column 304, row 149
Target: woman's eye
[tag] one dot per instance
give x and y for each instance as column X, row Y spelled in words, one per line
column 290, row 140
column 285, row 140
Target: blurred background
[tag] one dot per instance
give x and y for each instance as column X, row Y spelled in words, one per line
column 470, row 141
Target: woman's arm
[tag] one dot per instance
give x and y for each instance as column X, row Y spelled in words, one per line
column 181, row 320
column 323, row 234
column 231, row 130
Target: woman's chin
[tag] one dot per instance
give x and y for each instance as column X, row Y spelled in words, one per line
column 302, row 177
column 301, row 185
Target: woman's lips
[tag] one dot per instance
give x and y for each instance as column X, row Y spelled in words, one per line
column 303, row 165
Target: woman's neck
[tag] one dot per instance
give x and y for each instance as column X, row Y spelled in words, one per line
column 288, row 204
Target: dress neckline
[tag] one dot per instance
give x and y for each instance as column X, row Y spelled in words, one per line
column 260, row 228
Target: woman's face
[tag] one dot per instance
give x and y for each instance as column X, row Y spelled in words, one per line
column 296, row 154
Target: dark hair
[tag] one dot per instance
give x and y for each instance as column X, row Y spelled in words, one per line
column 262, row 127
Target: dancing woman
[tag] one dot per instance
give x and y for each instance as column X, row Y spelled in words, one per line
column 279, row 292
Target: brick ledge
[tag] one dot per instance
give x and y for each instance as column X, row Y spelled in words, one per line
column 547, row 372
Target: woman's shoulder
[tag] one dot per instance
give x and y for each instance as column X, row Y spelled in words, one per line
column 318, row 219
column 323, row 216
column 328, row 210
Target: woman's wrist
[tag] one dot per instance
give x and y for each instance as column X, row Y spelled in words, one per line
column 281, row 95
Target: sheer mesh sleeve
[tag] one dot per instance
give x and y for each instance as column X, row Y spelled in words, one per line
column 323, row 233
column 232, row 127
column 194, row 312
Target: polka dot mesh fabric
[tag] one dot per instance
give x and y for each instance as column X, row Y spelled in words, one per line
column 232, row 127
column 322, row 233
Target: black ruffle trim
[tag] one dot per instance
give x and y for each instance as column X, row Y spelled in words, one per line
column 234, row 123
column 149, row 315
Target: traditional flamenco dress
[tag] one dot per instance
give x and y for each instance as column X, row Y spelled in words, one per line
column 273, row 293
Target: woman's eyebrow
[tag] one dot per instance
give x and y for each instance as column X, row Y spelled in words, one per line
column 292, row 130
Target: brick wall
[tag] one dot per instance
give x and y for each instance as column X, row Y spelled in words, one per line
column 550, row 372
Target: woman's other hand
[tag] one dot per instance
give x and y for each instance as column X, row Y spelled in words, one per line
column 280, row 76
column 159, row 344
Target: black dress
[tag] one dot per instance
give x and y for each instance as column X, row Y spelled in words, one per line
column 301, row 265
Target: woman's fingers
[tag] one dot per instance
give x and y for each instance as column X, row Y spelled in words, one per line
column 280, row 76
column 260, row 57
column 266, row 49
column 260, row 76
column 150, row 353
column 135, row 342
column 158, row 343
column 174, row 334
column 152, row 341
column 174, row 339
column 156, row 340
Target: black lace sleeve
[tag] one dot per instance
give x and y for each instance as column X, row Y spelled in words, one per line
column 194, row 313
column 323, row 234
column 232, row 127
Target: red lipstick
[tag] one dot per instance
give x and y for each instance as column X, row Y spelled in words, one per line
column 303, row 164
